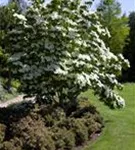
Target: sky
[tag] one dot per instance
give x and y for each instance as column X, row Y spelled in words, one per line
column 126, row 5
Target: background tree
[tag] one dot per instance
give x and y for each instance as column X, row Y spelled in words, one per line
column 6, row 24
column 117, row 24
column 129, row 50
column 21, row 4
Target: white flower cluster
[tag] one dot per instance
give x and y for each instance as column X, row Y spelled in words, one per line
column 20, row 16
column 64, row 50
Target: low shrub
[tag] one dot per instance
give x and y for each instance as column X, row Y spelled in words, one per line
column 7, row 146
column 28, row 126
column 2, row 92
column 80, row 130
column 13, row 144
column 81, row 112
column 6, row 92
column 33, row 134
column 64, row 139
column 2, row 132
column 52, row 114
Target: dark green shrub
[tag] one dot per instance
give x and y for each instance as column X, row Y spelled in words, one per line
column 13, row 144
column 2, row 132
column 7, row 146
column 92, row 126
column 39, row 140
column 51, row 114
column 33, row 134
column 38, row 127
column 2, row 92
column 15, row 84
column 15, row 112
column 69, row 140
column 81, row 112
column 98, row 118
column 94, row 122
column 77, row 126
column 80, row 130
column 64, row 139
column 66, row 123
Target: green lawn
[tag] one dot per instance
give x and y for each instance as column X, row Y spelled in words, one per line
column 119, row 131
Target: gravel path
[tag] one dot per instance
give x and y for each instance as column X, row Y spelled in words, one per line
column 17, row 99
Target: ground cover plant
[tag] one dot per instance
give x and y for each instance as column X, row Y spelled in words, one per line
column 5, row 95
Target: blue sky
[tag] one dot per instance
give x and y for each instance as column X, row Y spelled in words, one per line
column 3, row 1
column 127, row 5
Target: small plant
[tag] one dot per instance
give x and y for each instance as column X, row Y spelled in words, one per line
column 32, row 133
column 2, row 92
column 9, row 145
column 52, row 114
column 64, row 139
column 2, row 132
column 80, row 131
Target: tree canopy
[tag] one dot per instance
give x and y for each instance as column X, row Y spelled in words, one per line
column 117, row 24
column 58, row 52
column 6, row 24
column 129, row 50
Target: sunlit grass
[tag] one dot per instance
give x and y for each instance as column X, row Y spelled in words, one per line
column 119, row 131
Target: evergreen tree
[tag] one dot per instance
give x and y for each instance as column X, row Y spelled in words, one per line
column 110, row 12
column 6, row 24
column 129, row 51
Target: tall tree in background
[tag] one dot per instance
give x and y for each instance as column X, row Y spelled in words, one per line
column 22, row 4
column 6, row 24
column 110, row 12
column 129, row 51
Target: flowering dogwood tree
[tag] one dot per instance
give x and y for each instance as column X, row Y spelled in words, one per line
column 58, row 52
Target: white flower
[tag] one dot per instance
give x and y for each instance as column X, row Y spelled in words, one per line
column 20, row 16
column 71, row 22
column 84, row 57
column 121, row 102
column 94, row 76
column 107, row 32
column 60, row 71
column 55, row 15
column 79, row 42
column 81, row 80
column 99, row 29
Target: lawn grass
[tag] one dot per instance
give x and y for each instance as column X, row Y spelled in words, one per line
column 119, row 131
